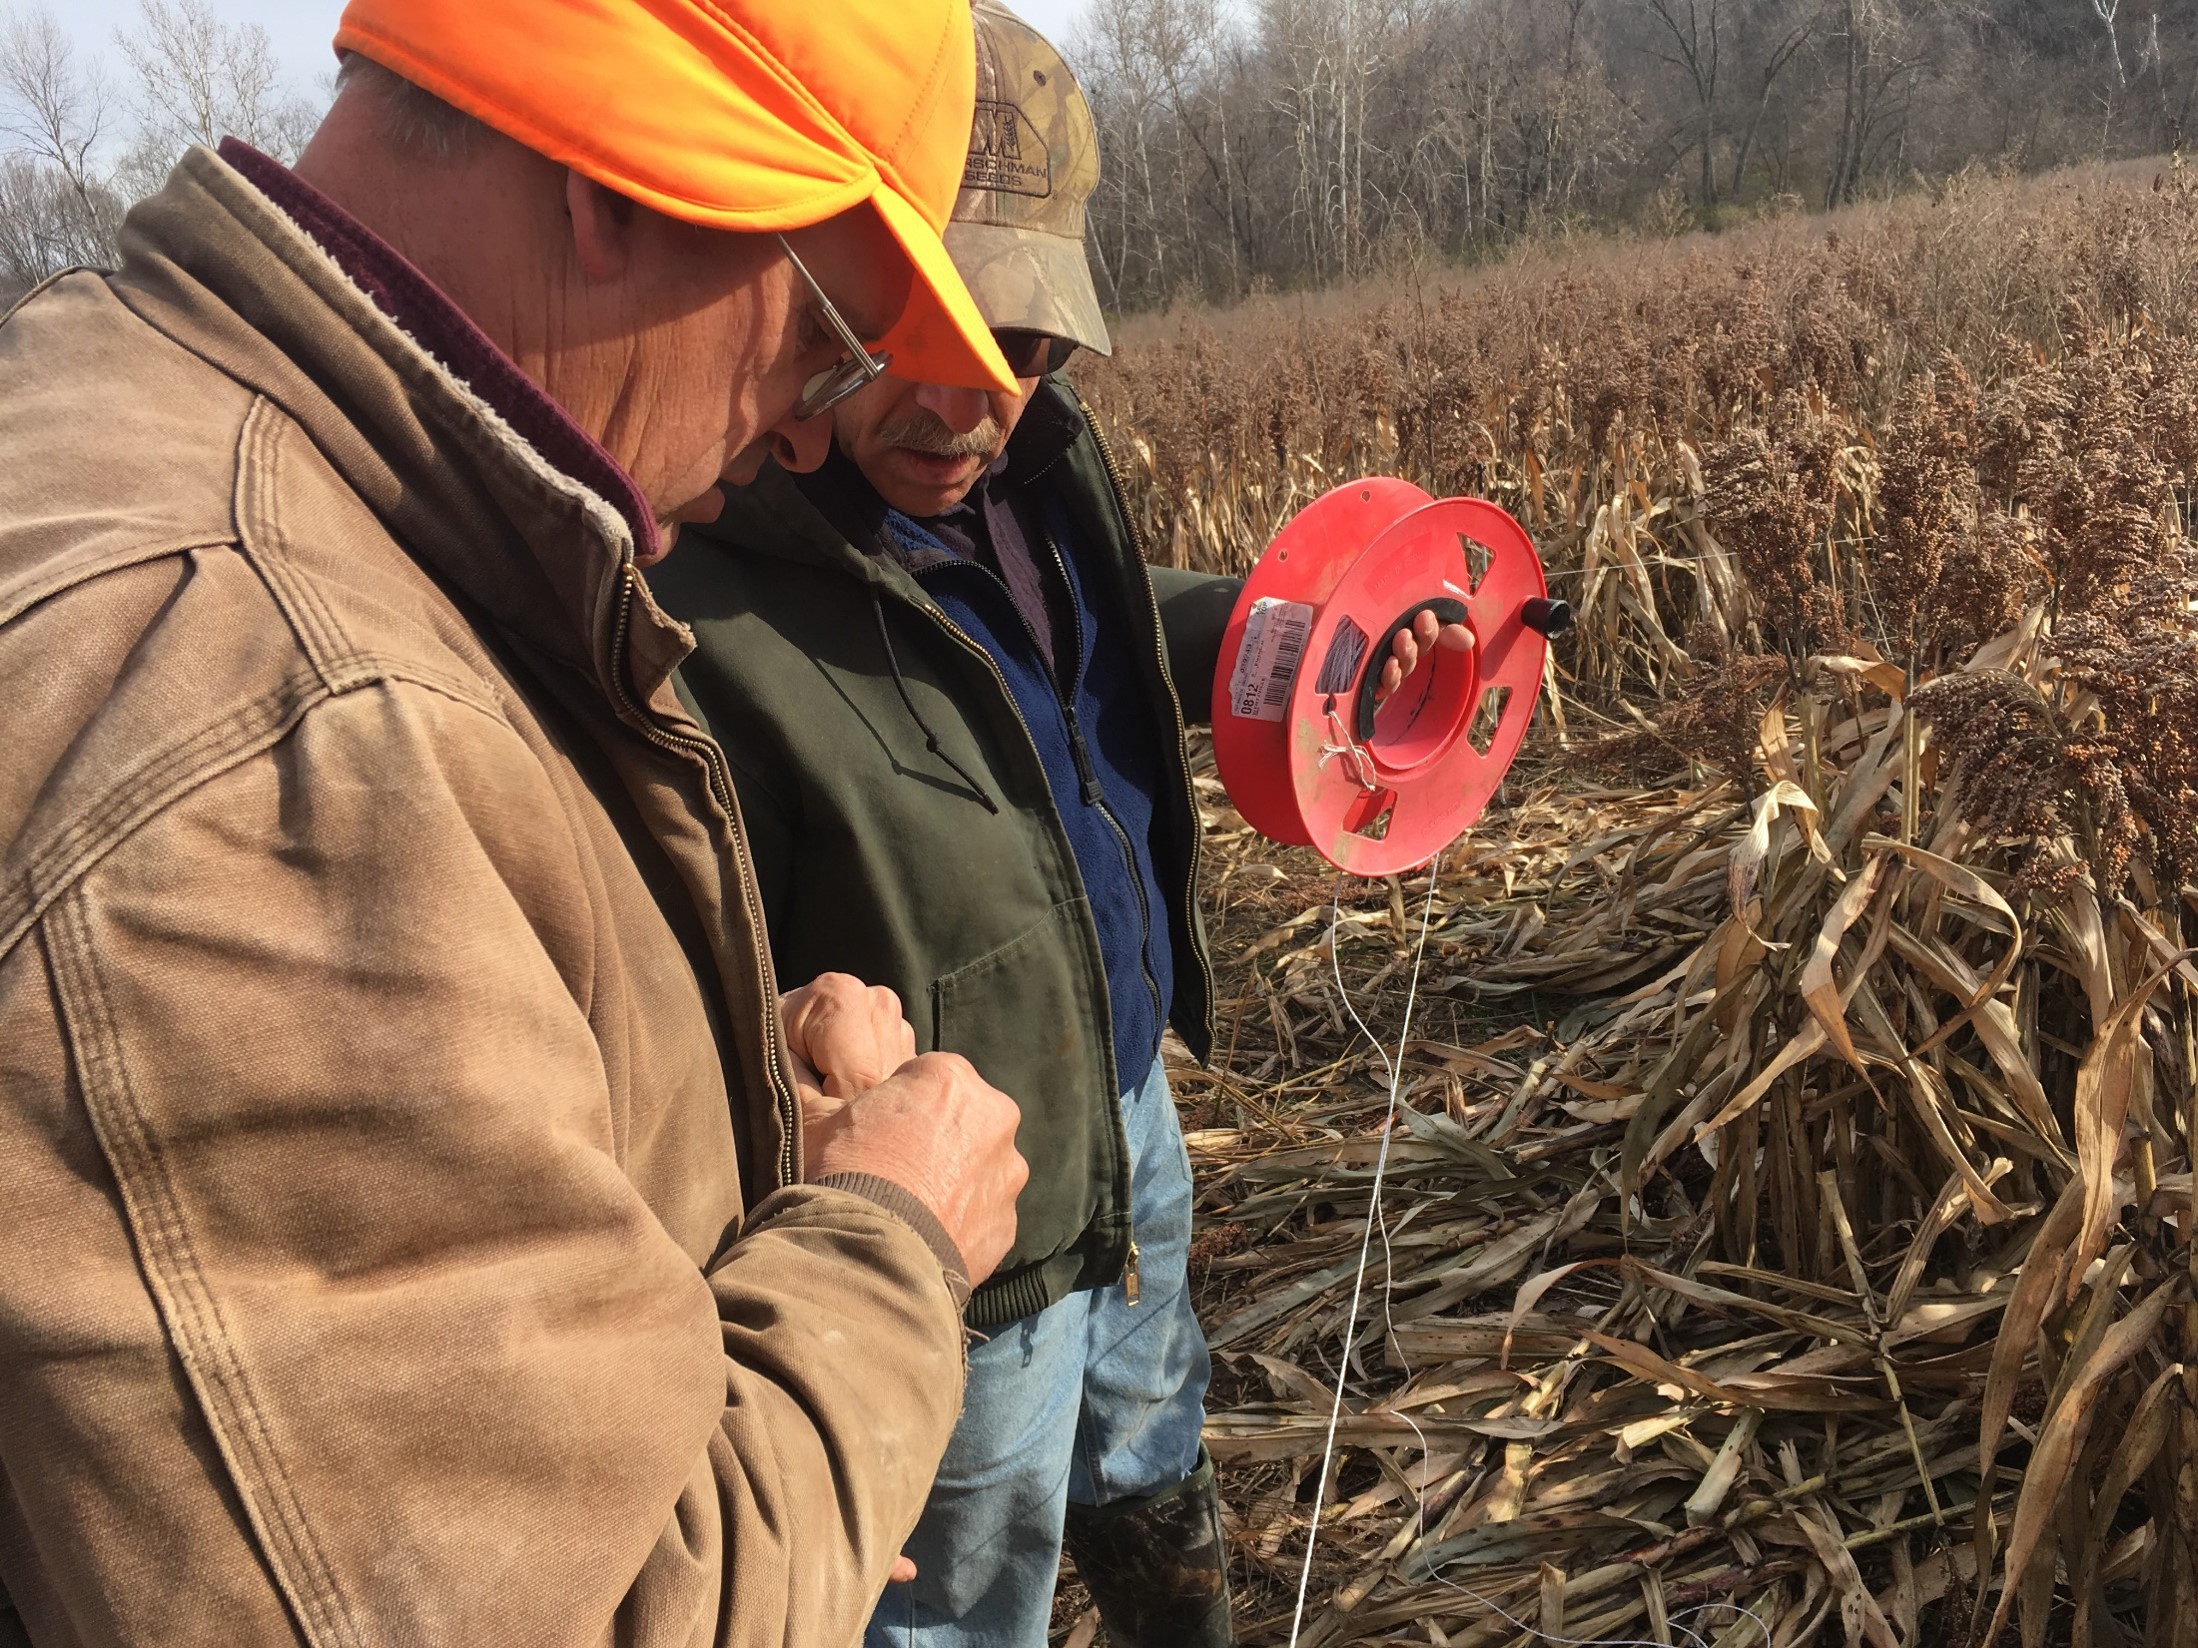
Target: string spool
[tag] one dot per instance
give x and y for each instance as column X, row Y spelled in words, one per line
column 1307, row 756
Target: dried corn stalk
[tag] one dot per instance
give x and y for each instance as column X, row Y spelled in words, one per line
column 1791, row 1227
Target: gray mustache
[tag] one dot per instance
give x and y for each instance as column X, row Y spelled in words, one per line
column 923, row 432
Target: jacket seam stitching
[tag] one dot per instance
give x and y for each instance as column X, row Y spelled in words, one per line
column 138, row 795
column 55, row 279
column 79, row 573
column 173, row 1271
column 110, row 820
column 369, row 669
column 259, row 466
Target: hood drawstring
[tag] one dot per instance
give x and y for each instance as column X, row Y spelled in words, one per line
column 930, row 738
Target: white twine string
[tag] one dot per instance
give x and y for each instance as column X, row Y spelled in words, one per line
column 1373, row 1212
column 1362, row 774
column 1375, row 1219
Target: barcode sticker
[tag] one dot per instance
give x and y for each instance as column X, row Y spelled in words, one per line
column 1266, row 663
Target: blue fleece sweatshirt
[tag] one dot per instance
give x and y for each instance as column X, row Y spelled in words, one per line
column 1095, row 738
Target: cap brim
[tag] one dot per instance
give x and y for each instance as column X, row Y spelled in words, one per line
column 941, row 336
column 1031, row 281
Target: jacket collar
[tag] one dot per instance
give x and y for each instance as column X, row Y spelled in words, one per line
column 839, row 497
column 1049, row 426
column 839, row 492
column 475, row 471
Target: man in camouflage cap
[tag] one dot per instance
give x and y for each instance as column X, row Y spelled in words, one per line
column 960, row 697
column 1017, row 233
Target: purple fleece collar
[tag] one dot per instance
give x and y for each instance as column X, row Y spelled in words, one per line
column 440, row 327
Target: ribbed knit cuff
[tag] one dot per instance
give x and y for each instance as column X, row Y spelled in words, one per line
column 904, row 1206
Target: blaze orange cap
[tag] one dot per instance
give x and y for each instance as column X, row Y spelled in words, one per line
column 753, row 115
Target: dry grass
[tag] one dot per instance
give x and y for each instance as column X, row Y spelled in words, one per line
column 1792, row 1208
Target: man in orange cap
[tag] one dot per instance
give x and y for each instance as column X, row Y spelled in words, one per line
column 425, row 1221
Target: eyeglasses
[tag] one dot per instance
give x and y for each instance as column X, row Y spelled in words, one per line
column 857, row 368
column 1033, row 354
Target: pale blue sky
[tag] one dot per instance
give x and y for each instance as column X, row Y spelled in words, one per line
column 301, row 29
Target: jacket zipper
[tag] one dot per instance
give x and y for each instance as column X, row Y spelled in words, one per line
column 1167, row 679
column 1095, row 795
column 721, row 786
column 1130, row 1287
column 1192, row 816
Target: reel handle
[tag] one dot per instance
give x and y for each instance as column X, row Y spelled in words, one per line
column 1444, row 608
column 1546, row 617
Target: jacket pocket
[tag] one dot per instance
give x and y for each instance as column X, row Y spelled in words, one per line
column 1027, row 1016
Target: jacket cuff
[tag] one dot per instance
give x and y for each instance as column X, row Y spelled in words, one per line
column 903, row 1204
column 1195, row 609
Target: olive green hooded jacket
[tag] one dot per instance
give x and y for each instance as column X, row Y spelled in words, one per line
column 874, row 858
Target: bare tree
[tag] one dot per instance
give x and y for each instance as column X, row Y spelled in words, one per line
column 1694, row 32
column 69, row 167
column 1121, row 42
column 2107, row 11
column 56, row 108
column 1787, row 28
column 58, row 207
column 42, row 224
column 1869, row 35
column 197, row 79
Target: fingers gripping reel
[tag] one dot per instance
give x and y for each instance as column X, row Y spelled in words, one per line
column 1306, row 753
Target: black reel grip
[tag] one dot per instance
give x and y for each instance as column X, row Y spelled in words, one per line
column 1546, row 617
column 1377, row 659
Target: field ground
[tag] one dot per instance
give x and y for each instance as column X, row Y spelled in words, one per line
column 1787, row 1224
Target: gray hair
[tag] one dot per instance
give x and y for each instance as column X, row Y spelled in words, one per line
column 416, row 122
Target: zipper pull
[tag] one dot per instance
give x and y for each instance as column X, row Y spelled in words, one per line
column 1130, row 1289
column 1093, row 792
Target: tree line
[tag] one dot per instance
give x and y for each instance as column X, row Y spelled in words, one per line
column 1296, row 142
column 83, row 133
column 1251, row 144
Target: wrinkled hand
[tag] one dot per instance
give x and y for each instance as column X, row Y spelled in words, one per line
column 1427, row 632
column 930, row 1125
column 946, row 1136
column 845, row 1037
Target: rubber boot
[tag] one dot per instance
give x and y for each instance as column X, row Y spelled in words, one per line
column 1157, row 1567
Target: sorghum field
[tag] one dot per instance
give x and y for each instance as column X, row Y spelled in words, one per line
column 1788, row 1223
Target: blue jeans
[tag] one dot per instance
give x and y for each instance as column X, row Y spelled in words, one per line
column 1091, row 1400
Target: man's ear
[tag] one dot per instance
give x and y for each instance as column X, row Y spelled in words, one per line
column 602, row 227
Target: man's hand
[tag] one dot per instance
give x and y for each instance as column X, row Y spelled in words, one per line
column 931, row 1125
column 845, row 1037
column 940, row 1132
column 1427, row 632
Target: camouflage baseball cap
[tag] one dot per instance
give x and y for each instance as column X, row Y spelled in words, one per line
column 1017, row 232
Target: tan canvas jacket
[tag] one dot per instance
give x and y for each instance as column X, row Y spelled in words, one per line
column 372, row 1257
